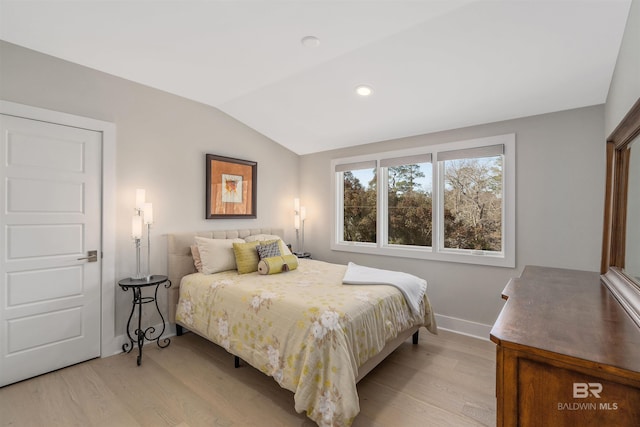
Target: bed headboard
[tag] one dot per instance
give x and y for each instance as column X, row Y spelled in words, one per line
column 180, row 262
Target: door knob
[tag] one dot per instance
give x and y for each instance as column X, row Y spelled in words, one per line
column 92, row 256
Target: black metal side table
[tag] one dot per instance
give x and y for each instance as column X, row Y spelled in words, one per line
column 136, row 286
column 302, row 254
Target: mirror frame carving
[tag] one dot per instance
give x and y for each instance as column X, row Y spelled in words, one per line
column 625, row 288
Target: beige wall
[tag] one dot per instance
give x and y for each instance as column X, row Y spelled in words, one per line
column 161, row 143
column 560, row 192
column 624, row 90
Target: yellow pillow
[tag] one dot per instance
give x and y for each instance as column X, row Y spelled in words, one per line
column 246, row 257
column 277, row 264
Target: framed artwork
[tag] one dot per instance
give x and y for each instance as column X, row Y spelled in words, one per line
column 230, row 187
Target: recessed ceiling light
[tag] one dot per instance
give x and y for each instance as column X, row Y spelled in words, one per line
column 364, row 90
column 310, row 41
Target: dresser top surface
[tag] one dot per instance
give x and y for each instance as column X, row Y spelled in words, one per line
column 567, row 312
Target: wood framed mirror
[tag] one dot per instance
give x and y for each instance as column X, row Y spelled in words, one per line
column 620, row 265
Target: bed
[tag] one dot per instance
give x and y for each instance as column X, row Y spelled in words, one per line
column 316, row 336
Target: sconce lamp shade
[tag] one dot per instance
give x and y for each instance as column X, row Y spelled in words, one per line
column 296, row 221
column 140, row 198
column 148, row 213
column 136, row 227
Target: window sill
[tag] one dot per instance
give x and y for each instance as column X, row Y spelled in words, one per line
column 464, row 257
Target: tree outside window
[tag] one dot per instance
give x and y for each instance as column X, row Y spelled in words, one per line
column 473, row 204
column 409, row 205
column 360, row 206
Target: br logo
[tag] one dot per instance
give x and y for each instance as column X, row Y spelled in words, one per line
column 584, row 390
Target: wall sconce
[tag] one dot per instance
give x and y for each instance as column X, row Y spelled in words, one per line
column 144, row 214
column 300, row 214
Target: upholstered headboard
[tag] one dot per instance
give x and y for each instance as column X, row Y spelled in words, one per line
column 180, row 261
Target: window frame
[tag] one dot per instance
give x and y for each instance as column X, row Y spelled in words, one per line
column 384, row 205
column 436, row 252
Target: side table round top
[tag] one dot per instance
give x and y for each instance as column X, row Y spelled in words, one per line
column 152, row 280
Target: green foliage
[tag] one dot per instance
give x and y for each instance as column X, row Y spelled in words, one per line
column 402, row 178
column 359, row 210
column 409, row 207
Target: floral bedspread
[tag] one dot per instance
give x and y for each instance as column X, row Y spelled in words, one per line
column 304, row 328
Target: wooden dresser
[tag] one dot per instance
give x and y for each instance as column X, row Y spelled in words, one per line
column 567, row 353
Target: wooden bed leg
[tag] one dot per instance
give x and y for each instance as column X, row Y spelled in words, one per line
column 236, row 362
column 415, row 337
column 179, row 330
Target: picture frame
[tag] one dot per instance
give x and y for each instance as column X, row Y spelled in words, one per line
column 231, row 190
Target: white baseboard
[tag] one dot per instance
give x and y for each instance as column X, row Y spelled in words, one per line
column 447, row 323
column 464, row 327
column 112, row 346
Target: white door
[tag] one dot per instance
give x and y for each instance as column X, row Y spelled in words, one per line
column 50, row 220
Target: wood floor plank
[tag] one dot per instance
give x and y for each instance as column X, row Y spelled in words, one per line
column 97, row 401
column 445, row 388
column 392, row 408
column 221, row 384
column 445, row 380
column 155, row 398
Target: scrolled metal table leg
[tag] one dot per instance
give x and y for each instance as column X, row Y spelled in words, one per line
column 166, row 341
column 129, row 344
column 139, row 331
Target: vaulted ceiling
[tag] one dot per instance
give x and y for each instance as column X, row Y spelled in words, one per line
column 432, row 65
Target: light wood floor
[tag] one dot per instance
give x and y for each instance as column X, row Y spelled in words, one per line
column 446, row 380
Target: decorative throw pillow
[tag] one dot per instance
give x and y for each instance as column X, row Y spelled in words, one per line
column 277, row 264
column 284, row 250
column 216, row 254
column 246, row 256
column 195, row 254
column 266, row 250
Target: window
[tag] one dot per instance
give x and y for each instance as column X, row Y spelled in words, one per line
column 472, row 198
column 359, row 202
column 409, row 200
column 450, row 202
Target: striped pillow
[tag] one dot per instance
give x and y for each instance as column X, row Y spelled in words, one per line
column 246, row 257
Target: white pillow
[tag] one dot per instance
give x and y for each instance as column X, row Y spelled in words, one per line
column 284, row 250
column 216, row 254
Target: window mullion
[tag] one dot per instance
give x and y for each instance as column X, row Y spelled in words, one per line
column 339, row 211
column 382, row 207
column 505, row 216
column 437, row 211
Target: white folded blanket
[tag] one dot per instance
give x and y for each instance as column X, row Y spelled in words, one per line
column 412, row 287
